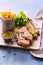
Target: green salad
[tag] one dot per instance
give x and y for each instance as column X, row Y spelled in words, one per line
column 21, row 19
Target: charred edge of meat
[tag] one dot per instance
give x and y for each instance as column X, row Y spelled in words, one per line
column 35, row 36
column 31, row 41
column 38, row 33
column 23, row 45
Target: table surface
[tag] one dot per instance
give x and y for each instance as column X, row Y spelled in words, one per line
column 14, row 56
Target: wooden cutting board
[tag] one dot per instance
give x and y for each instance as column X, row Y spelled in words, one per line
column 34, row 46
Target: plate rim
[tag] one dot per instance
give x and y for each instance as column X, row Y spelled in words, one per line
column 32, row 53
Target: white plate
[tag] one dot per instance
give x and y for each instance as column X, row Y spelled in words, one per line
column 39, row 53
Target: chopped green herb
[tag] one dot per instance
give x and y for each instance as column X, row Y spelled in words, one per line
column 21, row 19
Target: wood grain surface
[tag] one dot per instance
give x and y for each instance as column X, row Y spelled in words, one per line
column 34, row 46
